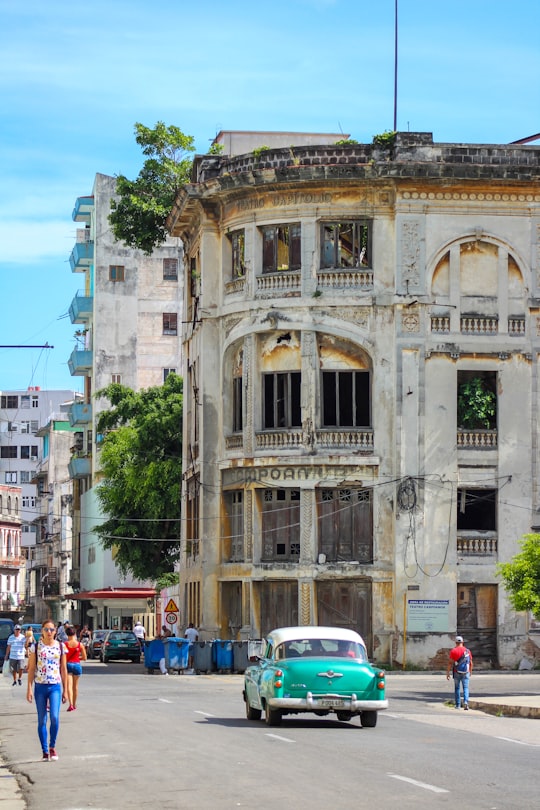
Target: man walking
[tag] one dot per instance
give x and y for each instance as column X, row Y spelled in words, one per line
column 15, row 652
column 192, row 635
column 140, row 632
column 460, row 663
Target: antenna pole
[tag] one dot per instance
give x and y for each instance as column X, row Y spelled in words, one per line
column 395, row 61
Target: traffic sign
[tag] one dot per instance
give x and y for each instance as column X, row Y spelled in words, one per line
column 171, row 607
column 171, row 618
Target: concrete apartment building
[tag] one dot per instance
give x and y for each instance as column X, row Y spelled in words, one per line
column 22, row 414
column 343, row 306
column 128, row 315
column 12, row 559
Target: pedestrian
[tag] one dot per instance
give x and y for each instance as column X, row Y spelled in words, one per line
column 15, row 652
column 61, row 634
column 192, row 635
column 140, row 632
column 460, row 663
column 86, row 637
column 165, row 636
column 75, row 653
column 47, row 673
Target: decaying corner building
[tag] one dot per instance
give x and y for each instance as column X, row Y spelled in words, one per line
column 361, row 389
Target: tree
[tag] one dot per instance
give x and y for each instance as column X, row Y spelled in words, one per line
column 476, row 405
column 521, row 576
column 138, row 215
column 141, row 466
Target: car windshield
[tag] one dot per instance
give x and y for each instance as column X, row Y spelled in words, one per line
column 122, row 637
column 5, row 631
column 321, row 647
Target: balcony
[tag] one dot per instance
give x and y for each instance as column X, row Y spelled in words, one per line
column 80, row 466
column 81, row 308
column 83, row 209
column 358, row 440
column 359, row 280
column 11, row 562
column 477, row 544
column 477, row 439
column 80, row 362
column 81, row 257
column 80, row 413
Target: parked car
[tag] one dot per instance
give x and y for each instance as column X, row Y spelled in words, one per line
column 6, row 629
column 314, row 669
column 35, row 628
column 120, row 644
column 94, row 648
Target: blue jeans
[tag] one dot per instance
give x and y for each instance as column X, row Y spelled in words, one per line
column 50, row 693
column 461, row 678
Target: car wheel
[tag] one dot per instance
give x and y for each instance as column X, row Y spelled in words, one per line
column 251, row 713
column 368, row 719
column 272, row 716
column 344, row 716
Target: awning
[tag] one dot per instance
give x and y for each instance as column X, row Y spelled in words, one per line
column 114, row 593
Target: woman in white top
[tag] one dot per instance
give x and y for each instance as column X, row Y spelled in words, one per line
column 47, row 671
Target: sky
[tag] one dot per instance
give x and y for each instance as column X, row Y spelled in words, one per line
column 74, row 79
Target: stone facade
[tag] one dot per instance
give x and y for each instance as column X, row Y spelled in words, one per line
column 341, row 303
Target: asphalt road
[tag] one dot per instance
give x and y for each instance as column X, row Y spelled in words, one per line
column 144, row 741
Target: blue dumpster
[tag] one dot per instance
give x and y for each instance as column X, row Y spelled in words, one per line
column 223, row 655
column 240, row 655
column 154, row 651
column 203, row 659
column 176, row 653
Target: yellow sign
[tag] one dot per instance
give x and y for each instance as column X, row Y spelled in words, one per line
column 171, row 607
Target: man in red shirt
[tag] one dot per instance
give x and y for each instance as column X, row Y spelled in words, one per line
column 460, row 663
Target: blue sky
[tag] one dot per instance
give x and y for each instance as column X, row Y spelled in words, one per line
column 74, row 78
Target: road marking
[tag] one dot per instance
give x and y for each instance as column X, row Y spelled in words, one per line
column 277, row 737
column 164, row 700
column 205, row 714
column 91, row 756
column 424, row 785
column 518, row 742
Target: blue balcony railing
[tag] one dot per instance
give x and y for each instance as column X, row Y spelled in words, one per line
column 80, row 467
column 83, row 209
column 80, row 310
column 80, row 413
column 80, row 362
column 81, row 257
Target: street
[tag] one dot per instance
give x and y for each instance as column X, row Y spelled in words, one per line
column 140, row 741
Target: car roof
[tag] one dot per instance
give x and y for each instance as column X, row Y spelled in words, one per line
column 282, row 634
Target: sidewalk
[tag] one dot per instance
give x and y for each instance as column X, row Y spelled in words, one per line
column 11, row 796
column 509, row 706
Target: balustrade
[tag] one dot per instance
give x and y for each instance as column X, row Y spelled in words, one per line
column 477, row 439
column 484, row 545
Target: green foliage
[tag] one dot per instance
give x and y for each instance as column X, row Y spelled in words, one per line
column 138, row 215
column 142, row 470
column 521, row 576
column 259, row 151
column 385, row 140
column 345, row 142
column 476, row 407
column 167, row 580
column 216, row 149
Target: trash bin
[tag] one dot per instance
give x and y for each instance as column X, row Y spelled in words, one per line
column 176, row 653
column 203, row 659
column 223, row 655
column 240, row 655
column 154, row 651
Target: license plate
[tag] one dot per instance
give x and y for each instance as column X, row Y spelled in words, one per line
column 330, row 704
column 122, row 645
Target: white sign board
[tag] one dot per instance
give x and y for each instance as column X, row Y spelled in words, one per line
column 427, row 615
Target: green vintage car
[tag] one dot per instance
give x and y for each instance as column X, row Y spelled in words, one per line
column 321, row 670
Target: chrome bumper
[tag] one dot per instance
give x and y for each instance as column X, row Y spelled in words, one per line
column 313, row 703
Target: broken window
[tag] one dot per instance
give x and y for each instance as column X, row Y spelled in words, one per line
column 170, row 269
column 477, row 400
column 238, row 243
column 233, row 539
column 477, row 510
column 281, row 400
column 280, row 518
column 192, row 518
column 281, row 248
column 345, row 524
column 346, row 399
column 345, row 244
column 170, row 323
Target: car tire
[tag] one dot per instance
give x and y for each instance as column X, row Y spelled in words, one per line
column 368, row 719
column 272, row 717
column 251, row 713
column 344, row 716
